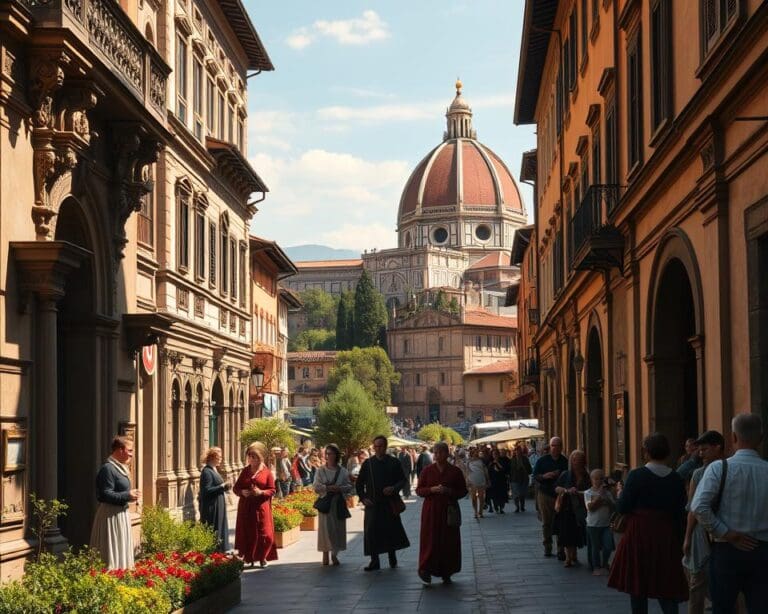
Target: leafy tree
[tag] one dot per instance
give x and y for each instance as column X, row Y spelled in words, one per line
column 320, row 308
column 436, row 432
column 345, row 321
column 441, row 301
column 272, row 432
column 372, row 370
column 349, row 418
column 453, row 306
column 370, row 312
column 313, row 339
column 46, row 512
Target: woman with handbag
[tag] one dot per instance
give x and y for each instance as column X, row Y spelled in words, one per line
column 332, row 485
column 442, row 485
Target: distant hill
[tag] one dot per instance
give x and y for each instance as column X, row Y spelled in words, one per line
column 319, row 252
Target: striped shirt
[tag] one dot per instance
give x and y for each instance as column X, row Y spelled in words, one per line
column 745, row 496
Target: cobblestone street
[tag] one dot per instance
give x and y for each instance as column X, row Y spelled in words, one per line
column 504, row 570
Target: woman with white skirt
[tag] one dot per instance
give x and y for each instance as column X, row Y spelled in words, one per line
column 111, row 531
column 332, row 480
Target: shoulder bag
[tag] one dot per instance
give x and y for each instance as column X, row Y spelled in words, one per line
column 323, row 504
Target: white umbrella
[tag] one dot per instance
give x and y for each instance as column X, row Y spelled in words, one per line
column 515, row 434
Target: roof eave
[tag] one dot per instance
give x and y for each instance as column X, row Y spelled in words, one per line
column 241, row 24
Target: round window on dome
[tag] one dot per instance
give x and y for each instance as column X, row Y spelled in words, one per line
column 439, row 235
column 483, row 232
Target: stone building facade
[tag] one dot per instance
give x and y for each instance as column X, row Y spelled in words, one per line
column 649, row 250
column 453, row 367
column 100, row 117
column 308, row 376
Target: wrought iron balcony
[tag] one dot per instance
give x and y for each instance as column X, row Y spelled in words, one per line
column 104, row 27
column 530, row 371
column 596, row 244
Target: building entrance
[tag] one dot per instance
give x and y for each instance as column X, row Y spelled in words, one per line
column 594, row 400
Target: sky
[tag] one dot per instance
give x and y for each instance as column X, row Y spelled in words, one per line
column 358, row 97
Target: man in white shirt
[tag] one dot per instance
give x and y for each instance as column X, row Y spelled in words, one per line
column 738, row 561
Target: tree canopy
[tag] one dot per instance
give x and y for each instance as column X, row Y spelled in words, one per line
column 370, row 312
column 272, row 432
column 349, row 418
column 436, row 432
column 345, row 321
column 371, row 368
column 313, row 339
column 320, row 308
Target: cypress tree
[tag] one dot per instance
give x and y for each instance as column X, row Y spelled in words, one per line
column 370, row 312
column 345, row 321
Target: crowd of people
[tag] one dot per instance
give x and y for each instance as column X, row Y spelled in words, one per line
column 694, row 532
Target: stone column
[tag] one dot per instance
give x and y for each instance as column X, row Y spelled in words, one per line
column 42, row 269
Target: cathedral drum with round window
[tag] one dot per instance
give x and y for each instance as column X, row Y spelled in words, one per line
column 483, row 232
column 439, row 235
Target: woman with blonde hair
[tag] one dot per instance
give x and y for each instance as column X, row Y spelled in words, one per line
column 255, row 529
column 571, row 515
column 477, row 480
column 212, row 502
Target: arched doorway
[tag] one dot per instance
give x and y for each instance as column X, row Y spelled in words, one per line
column 675, row 371
column 79, row 427
column 594, row 400
column 214, row 417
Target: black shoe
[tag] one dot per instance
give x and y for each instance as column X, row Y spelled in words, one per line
column 561, row 556
column 374, row 565
column 392, row 560
column 425, row 577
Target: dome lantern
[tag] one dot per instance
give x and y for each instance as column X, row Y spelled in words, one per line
column 459, row 116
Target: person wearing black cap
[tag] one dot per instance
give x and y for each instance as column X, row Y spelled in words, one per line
column 711, row 446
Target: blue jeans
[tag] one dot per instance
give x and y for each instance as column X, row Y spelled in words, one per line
column 284, row 487
column 600, row 544
column 732, row 571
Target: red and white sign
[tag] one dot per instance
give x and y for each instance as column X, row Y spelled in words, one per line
column 149, row 359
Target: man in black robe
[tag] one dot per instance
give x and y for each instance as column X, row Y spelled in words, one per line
column 380, row 481
column 407, row 464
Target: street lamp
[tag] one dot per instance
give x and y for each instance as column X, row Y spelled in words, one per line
column 257, row 377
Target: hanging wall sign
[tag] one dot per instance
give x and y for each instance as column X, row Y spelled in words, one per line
column 149, row 358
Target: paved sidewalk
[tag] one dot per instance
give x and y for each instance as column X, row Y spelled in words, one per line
column 504, row 570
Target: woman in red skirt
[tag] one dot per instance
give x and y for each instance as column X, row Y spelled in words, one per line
column 255, row 531
column 648, row 561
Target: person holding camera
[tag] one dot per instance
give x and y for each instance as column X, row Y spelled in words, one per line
column 211, row 499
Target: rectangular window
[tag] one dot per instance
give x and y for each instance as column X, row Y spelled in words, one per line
column 233, row 265
column 634, row 102
column 716, row 16
column 501, row 385
column 243, row 276
column 574, row 50
column 557, row 265
column 559, row 103
column 498, row 342
column 442, row 378
column 611, row 146
column 210, row 106
column 183, row 229
column 222, row 112
column 584, row 176
column 291, row 372
column 199, row 245
column 305, row 373
column 596, row 155
column 440, row 342
column 197, row 97
column 181, row 79
column 146, row 229
column 507, row 343
column 231, row 126
column 241, row 135
column 212, row 238
column 488, row 343
column 224, row 284
column 478, row 343
column 406, row 346
column 418, row 379
column 661, row 62
column 584, row 20
column 318, row 372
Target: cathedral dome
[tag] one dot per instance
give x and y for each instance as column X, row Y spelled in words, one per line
column 460, row 173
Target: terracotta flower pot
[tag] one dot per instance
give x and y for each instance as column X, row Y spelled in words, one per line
column 283, row 539
column 309, row 523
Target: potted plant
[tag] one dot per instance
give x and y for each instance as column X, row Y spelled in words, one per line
column 303, row 502
column 286, row 521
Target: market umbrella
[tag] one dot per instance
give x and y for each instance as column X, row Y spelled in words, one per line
column 399, row 442
column 515, row 434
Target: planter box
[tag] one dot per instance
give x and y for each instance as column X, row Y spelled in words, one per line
column 309, row 523
column 218, row 602
column 283, row 539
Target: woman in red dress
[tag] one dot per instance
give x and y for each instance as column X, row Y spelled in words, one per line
column 442, row 485
column 255, row 531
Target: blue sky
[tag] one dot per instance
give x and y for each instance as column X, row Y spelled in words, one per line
column 358, row 97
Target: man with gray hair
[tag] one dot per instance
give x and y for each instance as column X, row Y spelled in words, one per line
column 732, row 504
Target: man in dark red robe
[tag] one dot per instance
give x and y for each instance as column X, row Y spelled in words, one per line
column 442, row 485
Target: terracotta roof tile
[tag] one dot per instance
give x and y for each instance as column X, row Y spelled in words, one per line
column 440, row 186
column 308, row 264
column 500, row 366
column 494, row 259
column 481, row 317
column 479, row 188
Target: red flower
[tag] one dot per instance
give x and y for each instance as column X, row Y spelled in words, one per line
column 150, row 584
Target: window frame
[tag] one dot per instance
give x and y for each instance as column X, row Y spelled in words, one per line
column 183, row 206
column 634, row 102
column 182, row 77
column 662, row 70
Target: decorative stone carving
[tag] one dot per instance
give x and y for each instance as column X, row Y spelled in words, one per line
column 175, row 358
column 707, row 154
column 198, row 364
column 199, row 306
column 114, row 40
column 218, row 357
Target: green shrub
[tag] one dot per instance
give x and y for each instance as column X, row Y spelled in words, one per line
column 435, row 432
column 161, row 533
column 139, row 600
column 272, row 432
column 15, row 599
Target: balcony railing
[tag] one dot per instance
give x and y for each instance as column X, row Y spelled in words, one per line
column 530, row 371
column 596, row 243
column 104, row 27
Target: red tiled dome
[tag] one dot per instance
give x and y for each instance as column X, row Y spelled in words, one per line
column 484, row 181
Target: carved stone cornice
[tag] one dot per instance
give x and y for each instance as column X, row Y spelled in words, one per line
column 243, row 374
column 230, row 372
column 198, row 364
column 133, row 152
column 174, row 358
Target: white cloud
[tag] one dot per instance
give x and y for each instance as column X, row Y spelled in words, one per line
column 335, row 198
column 361, row 92
column 362, row 30
column 407, row 111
